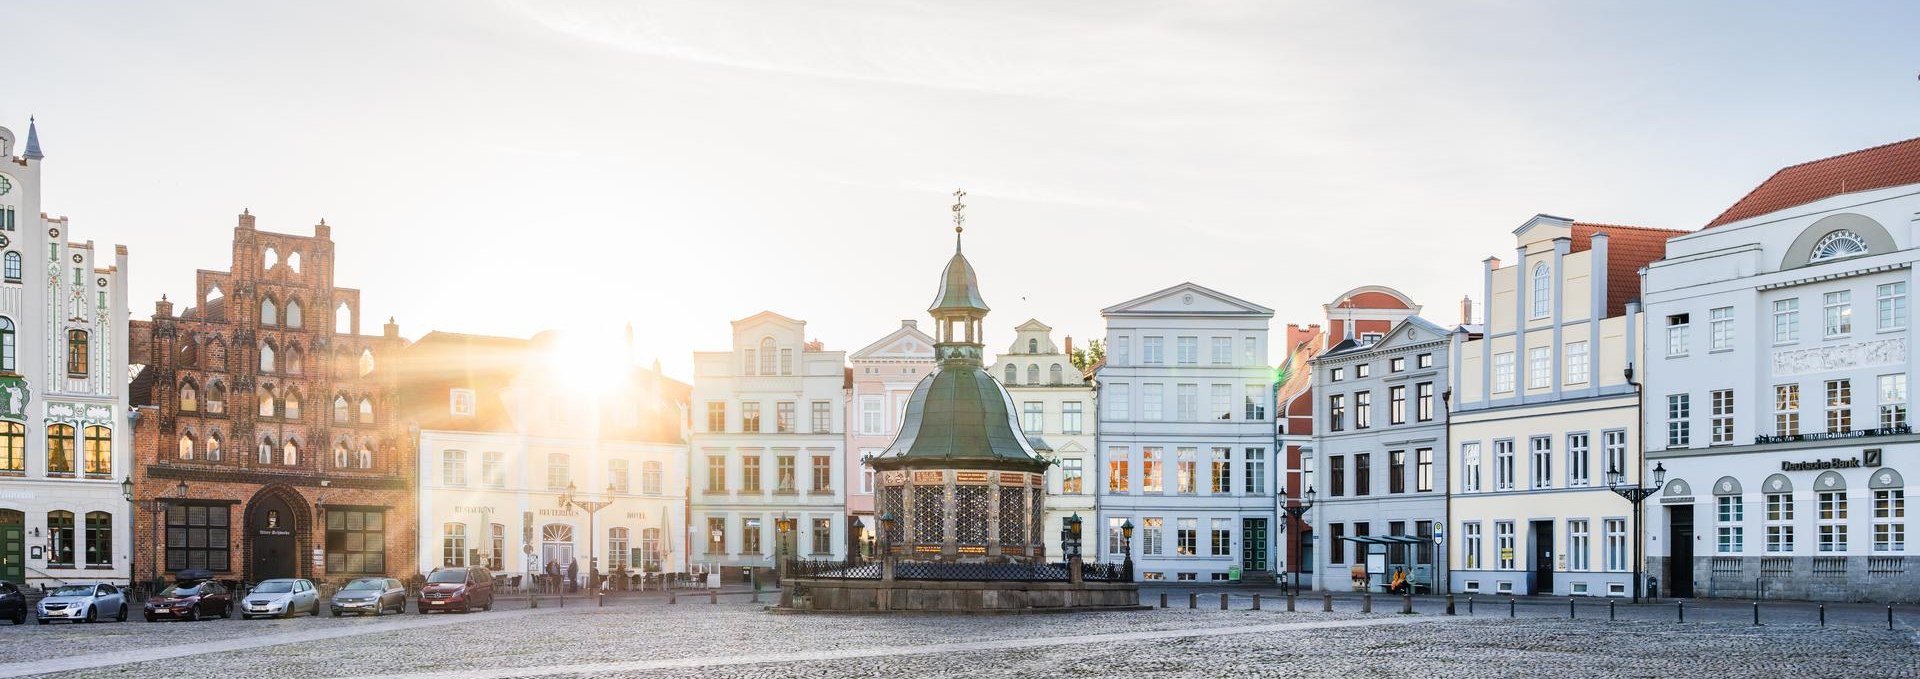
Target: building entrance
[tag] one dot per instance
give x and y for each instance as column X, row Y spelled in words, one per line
column 1542, row 557
column 13, row 546
column 1679, row 575
column 1253, row 545
column 270, row 532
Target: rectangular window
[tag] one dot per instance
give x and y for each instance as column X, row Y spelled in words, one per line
column 1337, row 475
column 1221, row 468
column 1423, row 361
column 1033, row 417
column 1720, row 431
column 1397, row 365
column 823, row 536
column 1186, row 350
column 1337, row 412
column 1893, row 400
column 1889, row 520
column 822, row 474
column 1186, row 402
column 749, row 473
column 77, row 353
column 1221, row 351
column 356, row 541
column 453, row 544
column 1470, row 545
column 1839, row 406
column 1503, row 372
column 1222, row 537
column 716, row 535
column 453, row 467
column 749, row 536
column 1423, row 401
column 1833, row 521
column 822, row 417
column 1470, row 467
column 1115, row 536
column 872, row 415
column 1362, row 410
column 1579, row 549
column 1153, row 536
column 1363, row 474
column 1539, row 368
column 1728, row 523
column 1117, row 479
column 1072, row 481
column 1186, row 537
column 1720, row 329
column 197, row 537
column 783, row 417
column 1677, row 326
column 460, row 401
column 1122, row 350
column 1839, row 313
column 1396, row 471
column 1679, row 426
column 1786, row 321
column 60, row 538
column 1186, row 469
column 1117, row 408
column 1617, row 558
column 1579, row 468
column 1256, row 402
column 1250, row 352
column 1222, row 402
column 750, row 417
column 716, row 416
column 1542, row 461
column 1256, row 471
column 1503, row 542
column 493, row 469
column 1786, row 409
column 1337, row 534
column 1397, row 404
column 1152, row 351
column 1503, row 465
column 716, row 474
column 559, row 470
column 1578, row 364
column 1152, row 398
column 1336, row 374
column 1892, row 299
column 1070, row 418
column 785, row 467
column 1362, row 370
column 1615, row 443
column 786, row 361
column 1150, row 470
column 1779, row 523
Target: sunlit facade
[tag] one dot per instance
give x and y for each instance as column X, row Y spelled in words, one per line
column 1056, row 412
column 882, row 378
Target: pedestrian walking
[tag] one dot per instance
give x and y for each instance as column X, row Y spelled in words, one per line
column 553, row 576
column 573, row 575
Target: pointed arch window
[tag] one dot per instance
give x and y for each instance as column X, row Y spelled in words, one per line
column 1542, row 299
column 217, row 398
column 189, row 397
column 266, row 357
column 366, row 362
column 768, row 357
column 292, row 404
column 366, row 410
column 7, row 340
column 342, row 412
column 291, row 361
column 265, row 398
column 340, row 457
column 293, row 313
column 366, row 455
column 77, row 353
column 13, row 267
column 290, row 452
column 213, row 446
column 266, row 450
column 269, row 312
column 217, row 356
column 1838, row 244
column 186, row 446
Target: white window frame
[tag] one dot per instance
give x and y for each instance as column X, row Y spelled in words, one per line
column 1729, row 523
column 1837, row 310
column 1504, row 469
column 1839, row 400
column 1893, row 400
column 1720, row 417
column 1541, row 300
column 1539, row 367
column 1831, row 521
column 1579, row 545
column 1677, row 339
column 1503, row 372
column 1578, row 363
column 1786, row 409
column 1779, row 523
column 1540, row 461
column 1786, row 320
column 1720, row 329
column 1617, row 549
column 460, row 402
column 1579, row 459
column 1891, row 302
column 1889, row 520
column 1679, row 420
column 1470, row 467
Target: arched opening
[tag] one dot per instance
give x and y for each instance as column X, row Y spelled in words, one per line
column 293, row 261
column 292, row 361
column 366, row 410
column 216, row 398
column 189, row 397
column 290, row 452
column 276, row 519
column 366, row 362
column 266, row 357
column 769, row 356
column 268, row 258
column 213, row 446
column 343, row 319
column 291, row 404
column 1033, row 346
column 269, row 311
column 342, row 413
column 293, row 313
column 186, row 447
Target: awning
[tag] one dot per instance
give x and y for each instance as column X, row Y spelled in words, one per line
column 1387, row 539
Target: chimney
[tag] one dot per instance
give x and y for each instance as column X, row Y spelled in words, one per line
column 1466, row 310
column 321, row 230
column 1069, row 345
column 163, row 308
column 246, row 219
column 392, row 328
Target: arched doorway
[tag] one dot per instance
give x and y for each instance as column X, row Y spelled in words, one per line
column 273, row 523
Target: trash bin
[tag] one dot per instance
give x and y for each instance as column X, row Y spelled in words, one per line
column 1233, row 573
column 1653, row 588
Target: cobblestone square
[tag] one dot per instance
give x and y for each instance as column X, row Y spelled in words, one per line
column 648, row 638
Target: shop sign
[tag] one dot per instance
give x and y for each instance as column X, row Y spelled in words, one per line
column 1870, row 457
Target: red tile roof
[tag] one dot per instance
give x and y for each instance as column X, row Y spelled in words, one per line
column 1628, row 249
column 1879, row 167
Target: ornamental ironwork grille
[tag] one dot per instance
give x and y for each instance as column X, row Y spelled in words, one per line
column 1013, row 516
column 929, row 514
column 892, row 501
column 970, row 515
column 1039, row 513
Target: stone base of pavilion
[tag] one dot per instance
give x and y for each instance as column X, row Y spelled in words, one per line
column 1017, row 589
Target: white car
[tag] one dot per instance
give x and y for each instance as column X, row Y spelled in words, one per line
column 280, row 597
column 83, row 603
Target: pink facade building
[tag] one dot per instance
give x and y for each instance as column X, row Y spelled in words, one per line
column 884, row 374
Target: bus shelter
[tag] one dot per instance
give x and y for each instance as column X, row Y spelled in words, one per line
column 1393, row 557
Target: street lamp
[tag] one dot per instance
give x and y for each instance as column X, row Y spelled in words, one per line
column 853, row 552
column 886, row 533
column 1126, row 539
column 783, row 526
column 1295, row 510
column 1070, row 538
column 592, row 507
column 1636, row 494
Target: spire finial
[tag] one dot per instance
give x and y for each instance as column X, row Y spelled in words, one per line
column 959, row 216
column 33, row 141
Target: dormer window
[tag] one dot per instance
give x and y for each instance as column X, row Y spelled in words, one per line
column 1542, row 290
column 1838, row 244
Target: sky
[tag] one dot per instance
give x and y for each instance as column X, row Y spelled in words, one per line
column 509, row 166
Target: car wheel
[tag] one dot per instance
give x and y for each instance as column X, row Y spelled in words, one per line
column 93, row 614
column 244, row 616
column 152, row 619
column 122, row 615
column 226, row 611
column 20, row 618
column 43, row 621
column 193, row 614
column 316, row 609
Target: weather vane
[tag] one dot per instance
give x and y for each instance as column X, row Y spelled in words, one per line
column 959, row 210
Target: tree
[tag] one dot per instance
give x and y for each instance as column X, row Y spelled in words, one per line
column 1089, row 356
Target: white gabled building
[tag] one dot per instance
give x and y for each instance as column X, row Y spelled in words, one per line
column 1186, row 436
column 66, row 439
column 1056, row 406
column 1779, row 355
column 769, row 443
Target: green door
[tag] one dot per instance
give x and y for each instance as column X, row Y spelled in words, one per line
column 1253, row 544
column 13, row 545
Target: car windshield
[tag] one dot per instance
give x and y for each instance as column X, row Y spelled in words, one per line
column 73, row 590
column 365, row 585
column 275, row 587
column 448, row 576
column 181, row 590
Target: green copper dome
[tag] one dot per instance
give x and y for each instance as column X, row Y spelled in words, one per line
column 959, row 288
column 960, row 417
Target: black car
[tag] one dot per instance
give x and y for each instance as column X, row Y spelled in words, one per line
column 13, row 604
column 191, row 601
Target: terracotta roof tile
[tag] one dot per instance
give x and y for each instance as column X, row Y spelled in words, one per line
column 1628, row 249
column 1879, row 167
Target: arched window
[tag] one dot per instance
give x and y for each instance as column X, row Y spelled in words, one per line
column 340, row 457
column 1013, row 374
column 266, row 357
column 1542, row 290
column 216, row 398
column 265, row 398
column 189, row 397
column 269, row 313
column 98, row 451
column 266, row 450
column 768, row 356
column 77, row 353
column 293, row 313
column 366, row 455
column 290, row 452
column 366, row 362
column 292, row 361
column 366, row 410
column 292, row 404
column 60, row 448
column 189, row 354
column 1033, row 374
column 1053, row 374
column 13, row 267
column 341, row 411
column 293, row 261
column 453, row 547
column 213, row 446
column 7, row 349
column 1838, row 244
column 1033, row 345
column 343, row 319
column 186, row 446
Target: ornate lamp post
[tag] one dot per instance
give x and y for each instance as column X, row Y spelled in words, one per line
column 1070, row 537
column 1126, row 539
column 1636, row 494
column 853, row 551
column 591, row 507
column 783, row 529
column 1295, row 509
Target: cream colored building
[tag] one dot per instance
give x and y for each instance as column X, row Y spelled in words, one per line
column 1543, row 405
column 1055, row 402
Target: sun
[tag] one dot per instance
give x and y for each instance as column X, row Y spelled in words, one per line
column 589, row 359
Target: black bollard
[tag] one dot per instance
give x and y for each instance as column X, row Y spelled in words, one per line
column 1609, row 610
column 1163, row 599
column 1756, row 614
column 1469, row 606
column 1681, row 607
column 1326, row 603
column 1193, row 600
column 1823, row 615
column 1510, row 603
column 1256, row 601
column 1289, row 602
column 1406, row 603
column 1570, row 612
column 1366, row 602
column 1889, row 616
column 1449, row 603
column 1223, row 601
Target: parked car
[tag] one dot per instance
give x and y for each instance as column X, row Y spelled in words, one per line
column 190, row 600
column 457, row 589
column 370, row 595
column 13, row 603
column 83, row 603
column 280, row 597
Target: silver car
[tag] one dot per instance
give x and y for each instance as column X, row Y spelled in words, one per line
column 280, row 597
column 83, row 603
column 370, row 595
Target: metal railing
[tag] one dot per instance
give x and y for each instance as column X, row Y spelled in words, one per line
column 939, row 570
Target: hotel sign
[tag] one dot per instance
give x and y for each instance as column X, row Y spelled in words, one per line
column 1868, row 458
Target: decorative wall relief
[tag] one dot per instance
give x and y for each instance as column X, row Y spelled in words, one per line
column 1891, row 351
